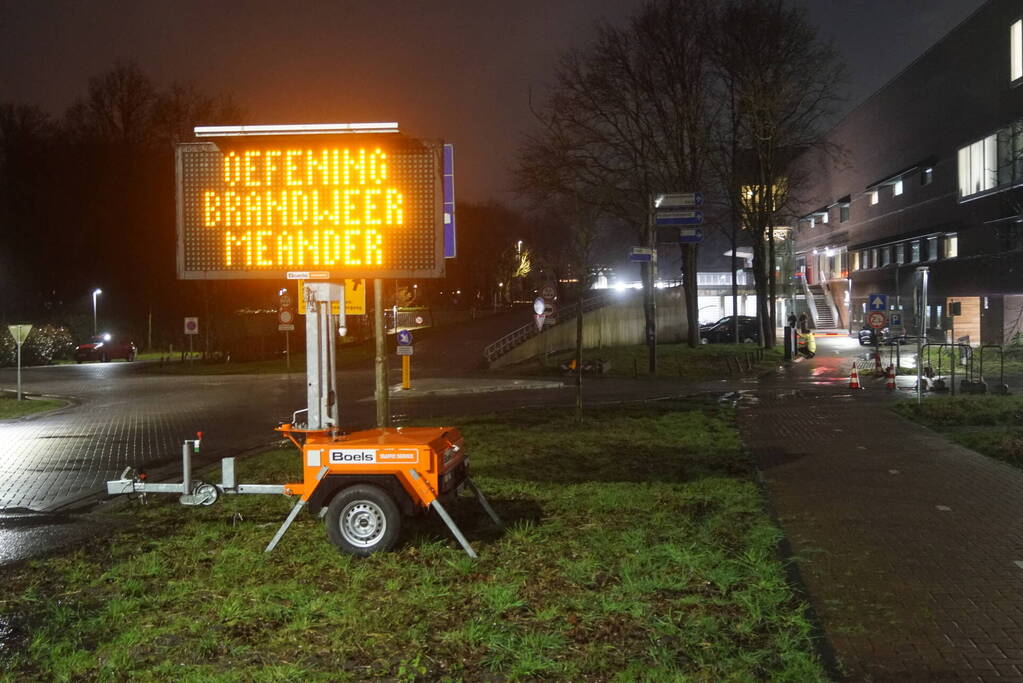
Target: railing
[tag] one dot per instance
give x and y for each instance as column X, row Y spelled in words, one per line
column 517, row 337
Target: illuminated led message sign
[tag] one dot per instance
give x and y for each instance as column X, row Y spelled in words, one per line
column 340, row 206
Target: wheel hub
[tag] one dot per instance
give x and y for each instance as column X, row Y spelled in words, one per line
column 362, row 523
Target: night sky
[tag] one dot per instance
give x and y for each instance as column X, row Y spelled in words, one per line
column 461, row 70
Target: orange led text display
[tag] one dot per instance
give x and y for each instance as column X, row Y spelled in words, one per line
column 302, row 208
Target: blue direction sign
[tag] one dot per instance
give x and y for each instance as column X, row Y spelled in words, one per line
column 678, row 217
column 643, row 254
column 679, row 200
column 877, row 302
column 690, row 235
column 404, row 338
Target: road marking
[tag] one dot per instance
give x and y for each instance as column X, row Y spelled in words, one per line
column 893, row 471
column 944, row 508
column 862, row 448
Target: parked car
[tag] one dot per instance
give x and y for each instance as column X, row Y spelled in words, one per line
column 105, row 348
column 723, row 330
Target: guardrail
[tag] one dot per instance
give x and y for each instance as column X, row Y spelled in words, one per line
column 517, row 337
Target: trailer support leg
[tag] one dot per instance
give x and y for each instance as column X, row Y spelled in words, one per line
column 483, row 502
column 284, row 527
column 454, row 528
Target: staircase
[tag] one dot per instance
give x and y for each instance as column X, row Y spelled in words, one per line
column 824, row 317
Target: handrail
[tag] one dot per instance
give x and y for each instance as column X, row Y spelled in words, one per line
column 520, row 335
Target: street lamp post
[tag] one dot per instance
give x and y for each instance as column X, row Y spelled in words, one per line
column 95, row 293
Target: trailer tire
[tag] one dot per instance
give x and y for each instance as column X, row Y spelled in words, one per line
column 363, row 519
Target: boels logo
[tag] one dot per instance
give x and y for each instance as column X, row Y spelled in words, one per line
column 353, row 456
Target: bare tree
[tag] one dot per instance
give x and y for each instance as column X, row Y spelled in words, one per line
column 628, row 118
column 780, row 82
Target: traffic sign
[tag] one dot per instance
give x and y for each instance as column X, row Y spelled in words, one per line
column 404, row 338
column 643, row 254
column 678, row 218
column 877, row 319
column 405, row 350
column 679, row 200
column 20, row 333
column 539, row 305
column 895, row 319
column 877, row 302
column 549, row 291
column 690, row 235
column 285, row 327
column 192, row 325
column 285, row 316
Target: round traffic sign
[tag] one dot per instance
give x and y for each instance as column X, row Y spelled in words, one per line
column 285, row 316
column 539, row 305
column 285, row 300
column 548, row 291
column 876, row 319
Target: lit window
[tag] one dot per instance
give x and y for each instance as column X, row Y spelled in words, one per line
column 875, row 258
column 932, row 248
column 914, row 251
column 843, row 213
column 824, row 217
column 951, row 246
column 900, row 253
column 856, row 260
column 872, row 195
column 978, row 166
column 886, row 255
column 926, row 176
column 1016, row 50
column 897, row 187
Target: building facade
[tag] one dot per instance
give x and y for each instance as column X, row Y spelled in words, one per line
column 924, row 181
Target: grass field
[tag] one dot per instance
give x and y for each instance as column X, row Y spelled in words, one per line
column 992, row 425
column 347, row 355
column 11, row 407
column 637, row 548
column 708, row 361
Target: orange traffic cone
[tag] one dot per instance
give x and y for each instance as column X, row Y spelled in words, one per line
column 854, row 379
column 891, row 378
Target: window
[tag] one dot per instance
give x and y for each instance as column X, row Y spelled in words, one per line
column 872, row 196
column 843, row 213
column 900, row 253
column 978, row 166
column 1016, row 51
column 856, row 260
column 951, row 246
column 897, row 188
column 927, row 175
column 886, row 256
column 823, row 216
column 914, row 251
column 932, row 248
column 875, row 258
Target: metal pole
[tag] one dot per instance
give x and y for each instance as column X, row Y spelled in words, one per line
column 921, row 332
column 19, row 369
column 383, row 400
column 94, row 314
column 287, row 350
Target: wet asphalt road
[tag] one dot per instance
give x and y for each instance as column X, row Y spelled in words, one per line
column 53, row 467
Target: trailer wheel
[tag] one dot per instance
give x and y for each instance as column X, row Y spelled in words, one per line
column 363, row 519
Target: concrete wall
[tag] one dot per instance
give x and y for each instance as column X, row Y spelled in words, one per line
column 617, row 324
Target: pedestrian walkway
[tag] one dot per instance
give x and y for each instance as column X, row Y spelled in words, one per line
column 911, row 548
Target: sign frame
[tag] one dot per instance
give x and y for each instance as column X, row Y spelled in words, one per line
column 432, row 148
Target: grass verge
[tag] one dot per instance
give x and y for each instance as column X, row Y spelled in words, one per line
column 637, row 548
column 347, row 355
column 708, row 361
column 11, row 407
column 992, row 425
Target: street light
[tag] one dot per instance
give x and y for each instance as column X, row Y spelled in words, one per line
column 95, row 293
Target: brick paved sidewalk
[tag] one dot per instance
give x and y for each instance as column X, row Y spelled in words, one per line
column 911, row 547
